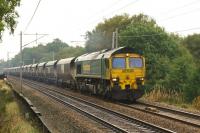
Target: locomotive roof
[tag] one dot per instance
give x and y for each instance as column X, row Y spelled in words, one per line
column 105, row 53
column 51, row 63
column 65, row 61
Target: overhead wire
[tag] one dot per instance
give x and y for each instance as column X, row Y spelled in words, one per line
column 148, row 35
column 28, row 24
column 132, row 2
column 129, row 4
column 35, row 40
column 32, row 15
column 168, row 18
column 165, row 19
column 180, row 7
column 103, row 10
column 181, row 14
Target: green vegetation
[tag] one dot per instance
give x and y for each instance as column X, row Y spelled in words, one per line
column 192, row 43
column 8, row 15
column 172, row 98
column 42, row 53
column 172, row 61
column 196, row 103
column 170, row 64
column 11, row 118
column 101, row 37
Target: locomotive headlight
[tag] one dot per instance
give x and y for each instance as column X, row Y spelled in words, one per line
column 114, row 79
column 141, row 79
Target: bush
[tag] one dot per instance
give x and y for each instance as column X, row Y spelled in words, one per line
column 181, row 71
column 193, row 89
column 196, row 103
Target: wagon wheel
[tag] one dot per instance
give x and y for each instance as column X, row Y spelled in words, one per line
column 78, row 86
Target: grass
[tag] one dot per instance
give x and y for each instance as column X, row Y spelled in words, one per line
column 11, row 116
column 158, row 94
column 196, row 103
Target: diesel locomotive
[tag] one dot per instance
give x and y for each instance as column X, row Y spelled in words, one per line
column 117, row 73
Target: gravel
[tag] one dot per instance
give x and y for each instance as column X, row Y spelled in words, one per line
column 59, row 118
column 75, row 120
column 166, row 123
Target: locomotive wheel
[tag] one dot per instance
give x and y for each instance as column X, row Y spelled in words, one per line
column 94, row 90
column 98, row 89
column 131, row 99
column 107, row 93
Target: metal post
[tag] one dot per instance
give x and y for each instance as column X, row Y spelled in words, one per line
column 8, row 63
column 21, row 62
column 116, row 37
column 36, row 38
column 113, row 40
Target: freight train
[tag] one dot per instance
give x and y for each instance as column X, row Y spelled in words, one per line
column 117, row 73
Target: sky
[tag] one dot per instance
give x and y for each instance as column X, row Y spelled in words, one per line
column 69, row 20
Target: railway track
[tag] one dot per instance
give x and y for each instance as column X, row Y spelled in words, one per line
column 114, row 120
column 188, row 118
column 185, row 113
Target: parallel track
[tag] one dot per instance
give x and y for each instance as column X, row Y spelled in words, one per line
column 188, row 118
column 127, row 120
column 188, row 114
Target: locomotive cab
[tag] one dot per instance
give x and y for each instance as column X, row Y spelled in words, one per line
column 127, row 75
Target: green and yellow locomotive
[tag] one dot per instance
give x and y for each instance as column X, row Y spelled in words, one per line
column 118, row 73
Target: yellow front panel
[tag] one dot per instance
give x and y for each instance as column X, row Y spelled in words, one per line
column 127, row 76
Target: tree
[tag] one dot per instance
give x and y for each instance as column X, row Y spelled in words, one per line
column 43, row 53
column 192, row 42
column 193, row 89
column 8, row 15
column 182, row 70
column 56, row 45
column 70, row 52
column 159, row 47
column 101, row 37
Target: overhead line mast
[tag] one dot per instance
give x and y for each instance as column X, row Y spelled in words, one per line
column 21, row 45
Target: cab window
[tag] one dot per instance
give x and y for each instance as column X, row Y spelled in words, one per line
column 119, row 63
column 78, row 69
column 135, row 62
